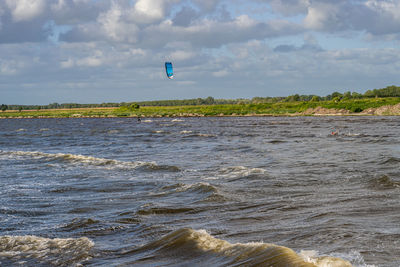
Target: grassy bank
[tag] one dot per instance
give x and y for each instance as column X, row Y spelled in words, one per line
column 354, row 106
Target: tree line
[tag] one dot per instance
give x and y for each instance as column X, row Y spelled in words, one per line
column 389, row 91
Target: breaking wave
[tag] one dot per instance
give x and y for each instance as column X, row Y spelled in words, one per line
column 192, row 193
column 186, row 247
column 57, row 251
column 239, row 172
column 88, row 160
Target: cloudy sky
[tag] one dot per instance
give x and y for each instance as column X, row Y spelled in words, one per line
column 94, row 51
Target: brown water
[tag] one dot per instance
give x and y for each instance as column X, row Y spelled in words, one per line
column 248, row 191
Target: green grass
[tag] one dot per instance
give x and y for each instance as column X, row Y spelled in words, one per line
column 280, row 108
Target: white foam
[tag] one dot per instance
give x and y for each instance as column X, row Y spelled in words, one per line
column 334, row 260
column 77, row 159
column 238, row 171
column 205, row 135
column 57, row 251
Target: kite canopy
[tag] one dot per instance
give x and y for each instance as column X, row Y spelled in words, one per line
column 169, row 70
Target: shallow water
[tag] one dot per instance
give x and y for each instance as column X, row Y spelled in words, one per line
column 229, row 191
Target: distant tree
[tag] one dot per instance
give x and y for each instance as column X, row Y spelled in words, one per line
column 336, row 94
column 356, row 95
column 347, row 95
column 4, row 107
column 315, row 98
column 292, row 98
column 38, row 108
column 389, row 91
column 20, row 108
column 53, row 105
column 209, row 100
column 336, row 99
column 134, row 106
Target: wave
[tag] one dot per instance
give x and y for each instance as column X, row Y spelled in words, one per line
column 277, row 141
column 390, row 161
column 164, row 211
column 89, row 160
column 198, row 187
column 208, row 192
column 191, row 247
column 78, row 223
column 383, row 182
column 193, row 193
column 239, row 172
column 200, row 135
column 57, row 251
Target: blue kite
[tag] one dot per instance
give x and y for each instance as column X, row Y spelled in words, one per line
column 169, row 70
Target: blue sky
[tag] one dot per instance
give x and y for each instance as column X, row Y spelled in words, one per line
column 94, row 51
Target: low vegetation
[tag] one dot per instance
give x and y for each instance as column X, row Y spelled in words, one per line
column 353, row 103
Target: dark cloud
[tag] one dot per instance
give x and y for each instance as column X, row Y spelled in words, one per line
column 285, row 48
column 22, row 32
column 293, row 48
column 185, row 16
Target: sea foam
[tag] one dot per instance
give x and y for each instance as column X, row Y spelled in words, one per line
column 57, row 251
column 87, row 160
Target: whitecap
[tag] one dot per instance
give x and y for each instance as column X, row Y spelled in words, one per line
column 239, row 171
column 87, row 160
column 57, row 251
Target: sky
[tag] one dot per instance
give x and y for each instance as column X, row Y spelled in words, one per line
column 97, row 51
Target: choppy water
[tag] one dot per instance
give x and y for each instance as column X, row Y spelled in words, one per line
column 248, row 191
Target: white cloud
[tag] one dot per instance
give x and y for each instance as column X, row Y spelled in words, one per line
column 69, row 63
column 89, row 62
column 322, row 16
column 115, row 27
column 391, row 8
column 182, row 55
column 216, row 44
column 8, row 67
column 221, row 73
column 25, row 10
column 150, row 10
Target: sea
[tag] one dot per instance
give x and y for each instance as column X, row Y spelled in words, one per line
column 200, row 191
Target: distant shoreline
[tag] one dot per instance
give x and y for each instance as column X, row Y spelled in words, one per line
column 202, row 116
column 370, row 107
